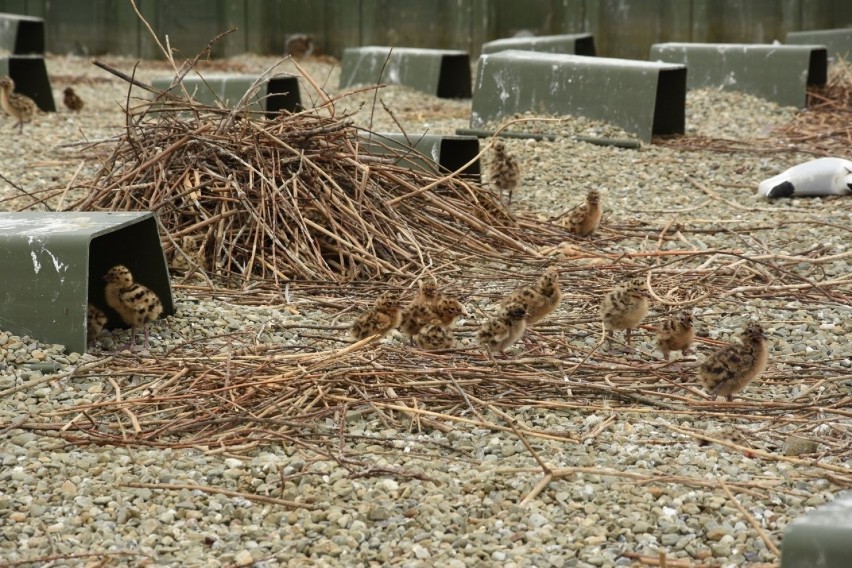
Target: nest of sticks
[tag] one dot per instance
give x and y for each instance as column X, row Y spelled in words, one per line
column 300, row 196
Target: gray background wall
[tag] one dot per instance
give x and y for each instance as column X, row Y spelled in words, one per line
column 622, row 28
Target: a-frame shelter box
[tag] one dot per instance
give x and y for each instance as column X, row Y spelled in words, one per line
column 54, row 265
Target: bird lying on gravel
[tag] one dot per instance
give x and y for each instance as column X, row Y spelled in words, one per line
column 730, row 369
column 18, row 106
column 136, row 304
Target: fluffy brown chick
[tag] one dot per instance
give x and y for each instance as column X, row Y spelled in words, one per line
column 676, row 334
column 586, row 218
column 434, row 336
column 18, row 106
column 414, row 317
column 381, row 318
column 137, row 305
column 540, row 299
column 624, row 307
column 417, row 313
column 96, row 319
column 505, row 170
column 504, row 329
column 72, row 100
column 730, row 369
column 447, row 309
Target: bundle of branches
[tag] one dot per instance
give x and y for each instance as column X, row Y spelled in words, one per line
column 298, row 196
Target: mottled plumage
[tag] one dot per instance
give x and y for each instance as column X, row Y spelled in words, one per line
column 18, row 106
column 676, row 334
column 501, row 331
column 381, row 318
column 505, row 170
column 137, row 305
column 586, row 218
column 447, row 309
column 730, row 369
column 624, row 307
column 417, row 313
column 72, row 101
column 95, row 322
column 540, row 299
column 434, row 335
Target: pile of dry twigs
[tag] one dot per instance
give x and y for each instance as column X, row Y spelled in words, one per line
column 300, row 196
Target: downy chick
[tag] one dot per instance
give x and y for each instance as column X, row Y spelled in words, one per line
column 505, row 170
column 501, row 331
column 72, row 101
column 434, row 336
column 18, row 106
column 624, row 307
column 676, row 334
column 586, row 218
column 96, row 319
column 540, row 299
column 730, row 369
column 381, row 318
column 137, row 305
column 420, row 310
column 447, row 309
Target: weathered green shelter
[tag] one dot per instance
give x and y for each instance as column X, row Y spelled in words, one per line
column 54, row 264
column 641, row 97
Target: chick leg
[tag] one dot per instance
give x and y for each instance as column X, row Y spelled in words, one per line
column 145, row 331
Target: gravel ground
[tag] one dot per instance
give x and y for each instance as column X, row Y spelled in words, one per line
column 628, row 497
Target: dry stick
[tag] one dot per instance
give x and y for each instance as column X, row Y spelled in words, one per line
column 754, row 451
column 751, row 520
column 133, row 420
column 658, row 561
column 217, row 490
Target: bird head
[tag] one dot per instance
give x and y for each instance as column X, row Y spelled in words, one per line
column 753, row 332
column 685, row 318
column 593, row 197
column 516, row 311
column 120, row 275
column 388, row 301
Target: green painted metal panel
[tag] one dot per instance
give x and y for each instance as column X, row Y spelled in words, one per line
column 54, row 264
column 838, row 42
column 434, row 154
column 822, row 537
column 579, row 44
column 779, row 73
column 280, row 92
column 191, row 24
column 30, row 75
column 443, row 73
column 641, row 97
column 21, row 35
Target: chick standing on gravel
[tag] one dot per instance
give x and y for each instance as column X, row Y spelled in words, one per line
column 18, row 106
column 730, row 369
column 137, row 305
column 381, row 318
column 586, row 218
column 505, row 170
column 676, row 334
column 501, row 331
column 624, row 307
